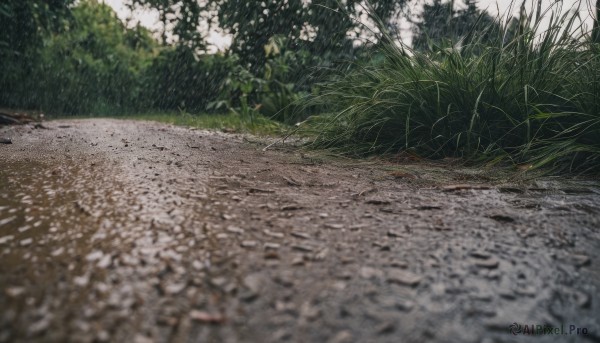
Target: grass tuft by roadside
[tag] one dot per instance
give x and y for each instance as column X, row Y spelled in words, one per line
column 516, row 93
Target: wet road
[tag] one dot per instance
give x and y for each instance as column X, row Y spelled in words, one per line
column 122, row 231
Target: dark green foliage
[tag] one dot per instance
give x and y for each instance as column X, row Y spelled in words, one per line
column 532, row 100
column 442, row 25
column 178, row 79
column 278, row 79
column 253, row 23
column 76, row 57
column 283, row 84
column 183, row 17
column 91, row 66
column 23, row 24
column 471, row 87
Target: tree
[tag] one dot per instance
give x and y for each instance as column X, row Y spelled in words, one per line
column 183, row 18
column 90, row 63
column 440, row 24
column 254, row 23
column 24, row 24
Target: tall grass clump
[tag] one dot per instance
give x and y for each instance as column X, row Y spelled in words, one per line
column 512, row 92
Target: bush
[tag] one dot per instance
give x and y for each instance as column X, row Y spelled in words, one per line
column 533, row 100
column 178, row 79
column 92, row 66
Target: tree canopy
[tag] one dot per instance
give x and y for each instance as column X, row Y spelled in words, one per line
column 440, row 23
column 321, row 26
column 24, row 24
column 72, row 56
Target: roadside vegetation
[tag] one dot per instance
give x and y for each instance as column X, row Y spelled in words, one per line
column 515, row 90
column 229, row 122
column 520, row 90
column 67, row 57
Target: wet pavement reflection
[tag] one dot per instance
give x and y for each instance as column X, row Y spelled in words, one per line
column 139, row 232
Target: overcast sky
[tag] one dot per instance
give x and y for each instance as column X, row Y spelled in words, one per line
column 150, row 19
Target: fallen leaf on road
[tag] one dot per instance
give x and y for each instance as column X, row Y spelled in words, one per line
column 460, row 187
column 258, row 190
column 502, row 218
column 402, row 175
column 292, row 182
column 205, row 317
column 377, row 202
column 402, row 277
column 291, row 207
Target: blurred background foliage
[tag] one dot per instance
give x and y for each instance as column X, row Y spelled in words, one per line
column 517, row 89
column 76, row 57
column 70, row 57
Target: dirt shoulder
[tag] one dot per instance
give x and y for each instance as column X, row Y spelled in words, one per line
column 142, row 232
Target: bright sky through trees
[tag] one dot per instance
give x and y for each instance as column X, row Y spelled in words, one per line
column 150, row 18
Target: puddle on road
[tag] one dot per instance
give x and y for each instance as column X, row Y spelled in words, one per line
column 38, row 214
column 76, row 246
column 46, row 224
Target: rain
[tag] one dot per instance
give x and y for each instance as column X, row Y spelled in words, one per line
column 299, row 171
